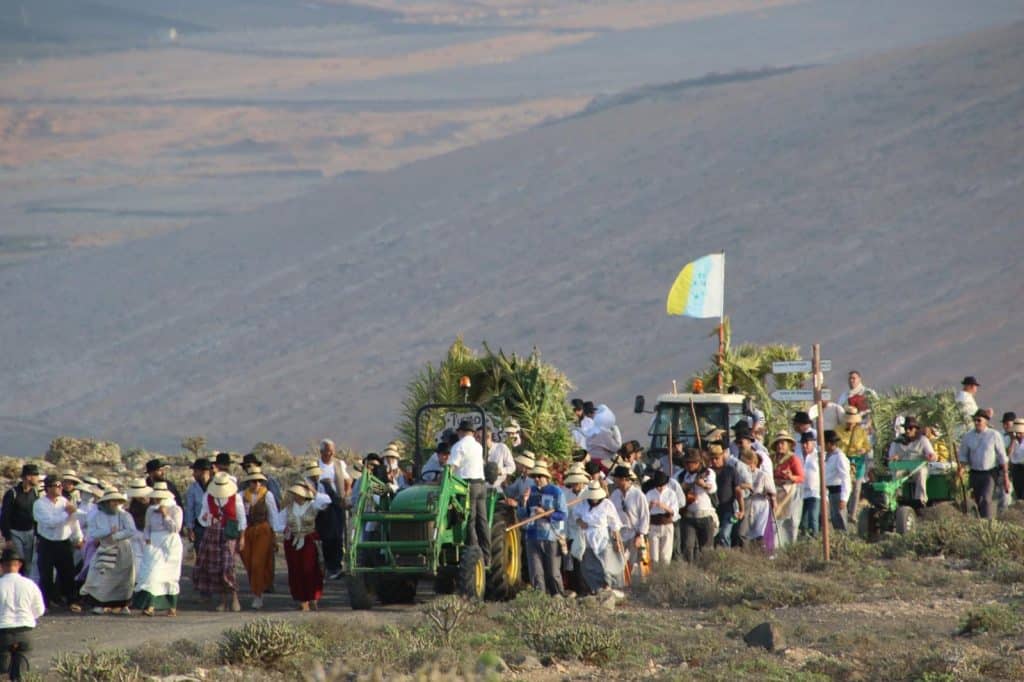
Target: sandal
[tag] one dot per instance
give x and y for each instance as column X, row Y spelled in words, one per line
column 75, row 608
column 171, row 613
column 148, row 611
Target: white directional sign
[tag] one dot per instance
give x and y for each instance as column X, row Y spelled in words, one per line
column 797, row 366
column 799, row 395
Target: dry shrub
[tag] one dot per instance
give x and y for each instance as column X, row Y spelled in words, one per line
column 180, row 657
column 264, row 642
column 273, row 454
column 68, row 451
column 982, row 543
column 996, row 619
column 107, row 665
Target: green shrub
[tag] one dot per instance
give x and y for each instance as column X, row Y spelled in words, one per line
column 580, row 641
column 107, row 665
column 996, row 619
column 447, row 613
column 984, row 544
column 263, row 642
column 177, row 658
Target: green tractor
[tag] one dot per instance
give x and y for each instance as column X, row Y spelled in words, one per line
column 421, row 532
column 890, row 497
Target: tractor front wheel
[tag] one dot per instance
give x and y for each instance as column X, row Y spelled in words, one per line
column 472, row 575
column 360, row 598
column 905, row 520
column 505, row 573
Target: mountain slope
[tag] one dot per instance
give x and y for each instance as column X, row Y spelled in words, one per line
column 873, row 206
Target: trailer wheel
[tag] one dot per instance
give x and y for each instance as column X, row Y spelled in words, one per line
column 398, row 590
column 867, row 525
column 905, row 520
column 360, row 598
column 472, row 576
column 505, row 574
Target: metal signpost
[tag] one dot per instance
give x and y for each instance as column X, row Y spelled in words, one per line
column 816, row 366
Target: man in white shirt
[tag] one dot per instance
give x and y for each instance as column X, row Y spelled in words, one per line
column 501, row 455
column 336, row 483
column 701, row 521
column 56, row 525
column 634, row 512
column 468, row 459
column 832, row 413
column 837, row 480
column 965, row 397
column 21, row 605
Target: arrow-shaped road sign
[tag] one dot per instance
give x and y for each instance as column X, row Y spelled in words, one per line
column 797, row 366
column 799, row 395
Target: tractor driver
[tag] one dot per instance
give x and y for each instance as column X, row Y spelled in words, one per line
column 468, row 459
column 433, row 470
column 914, row 445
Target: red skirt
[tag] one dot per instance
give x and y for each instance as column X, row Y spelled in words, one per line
column 305, row 579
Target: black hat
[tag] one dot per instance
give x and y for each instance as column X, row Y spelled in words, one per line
column 1009, row 416
column 29, row 470
column 11, row 554
column 223, row 459
column 623, row 472
column 692, row 456
column 588, row 408
column 970, row 381
column 808, row 437
column 443, row 447
column 465, row 425
column 577, row 404
column 831, row 436
column 741, row 425
column 203, row 464
column 802, row 418
column 579, row 455
column 744, row 433
column 592, row 467
column 51, row 480
column 659, row 478
column 154, row 464
column 981, row 414
column 251, row 458
column 372, row 457
column 911, row 423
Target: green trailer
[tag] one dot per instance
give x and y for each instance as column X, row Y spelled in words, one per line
column 890, row 496
column 399, row 538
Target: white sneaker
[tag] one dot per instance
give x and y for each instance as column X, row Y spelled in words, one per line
column 618, row 594
column 257, row 602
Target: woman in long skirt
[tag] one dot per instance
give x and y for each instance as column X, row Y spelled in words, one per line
column 111, row 579
column 223, row 516
column 158, row 586
column 260, row 542
column 302, row 549
column 138, row 504
column 761, row 489
column 603, row 562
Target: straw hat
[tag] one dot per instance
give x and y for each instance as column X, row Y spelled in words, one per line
column 161, row 491
column 303, row 491
column 1018, row 425
column 540, row 470
column 222, row 486
column 390, row 453
column 255, row 474
column 594, row 491
column 750, row 458
column 526, row 459
column 112, row 496
column 312, row 469
column 576, row 468
column 852, row 415
column 70, row 475
column 576, row 477
column 138, row 488
column 784, row 437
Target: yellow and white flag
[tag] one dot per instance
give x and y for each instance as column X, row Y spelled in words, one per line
column 699, row 289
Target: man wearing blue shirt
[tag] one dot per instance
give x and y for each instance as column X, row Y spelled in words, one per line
column 542, row 535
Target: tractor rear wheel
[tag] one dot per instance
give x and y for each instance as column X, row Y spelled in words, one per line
column 867, row 525
column 505, row 573
column 472, row 575
column 905, row 520
column 397, row 590
column 360, row 598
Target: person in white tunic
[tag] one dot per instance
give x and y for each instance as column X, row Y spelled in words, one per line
column 111, row 580
column 634, row 513
column 575, row 482
column 761, row 494
column 700, row 523
column 664, row 509
column 501, row 456
column 603, row 561
column 158, row 583
column 837, row 480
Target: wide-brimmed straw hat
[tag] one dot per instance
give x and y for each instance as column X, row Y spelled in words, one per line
column 303, row 491
column 574, row 477
column 784, row 437
column 390, row 453
column 70, row 475
column 1018, row 425
column 594, row 491
column 255, row 474
column 112, row 496
column 852, row 415
column 138, row 488
column 540, row 470
column 527, row 459
column 161, row 491
column 312, row 469
column 222, row 486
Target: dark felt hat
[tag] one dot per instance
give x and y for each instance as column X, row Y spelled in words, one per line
column 465, row 425
column 911, row 423
column 203, row 464
column 981, row 414
column 741, row 425
column 970, row 381
column 11, row 554
column 807, row 437
column 579, row 455
column 589, row 408
column 444, row 447
column 831, row 436
column 691, row 456
column 802, row 418
column 29, row 470
column 577, row 404
column 623, row 472
column 154, row 464
column 223, row 459
column 659, row 478
column 1009, row 416
column 251, row 458
column 51, row 480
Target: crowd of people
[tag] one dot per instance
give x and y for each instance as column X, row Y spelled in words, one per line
column 590, row 525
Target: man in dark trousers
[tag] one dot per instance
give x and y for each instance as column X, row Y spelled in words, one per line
column 21, row 605
column 156, row 470
column 16, row 521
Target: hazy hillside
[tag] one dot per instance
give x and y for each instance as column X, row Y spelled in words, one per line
column 874, row 206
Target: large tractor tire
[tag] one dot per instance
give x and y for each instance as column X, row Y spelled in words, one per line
column 445, row 581
column 867, row 525
column 472, row 575
column 505, row 574
column 360, row 597
column 905, row 520
column 397, row 590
